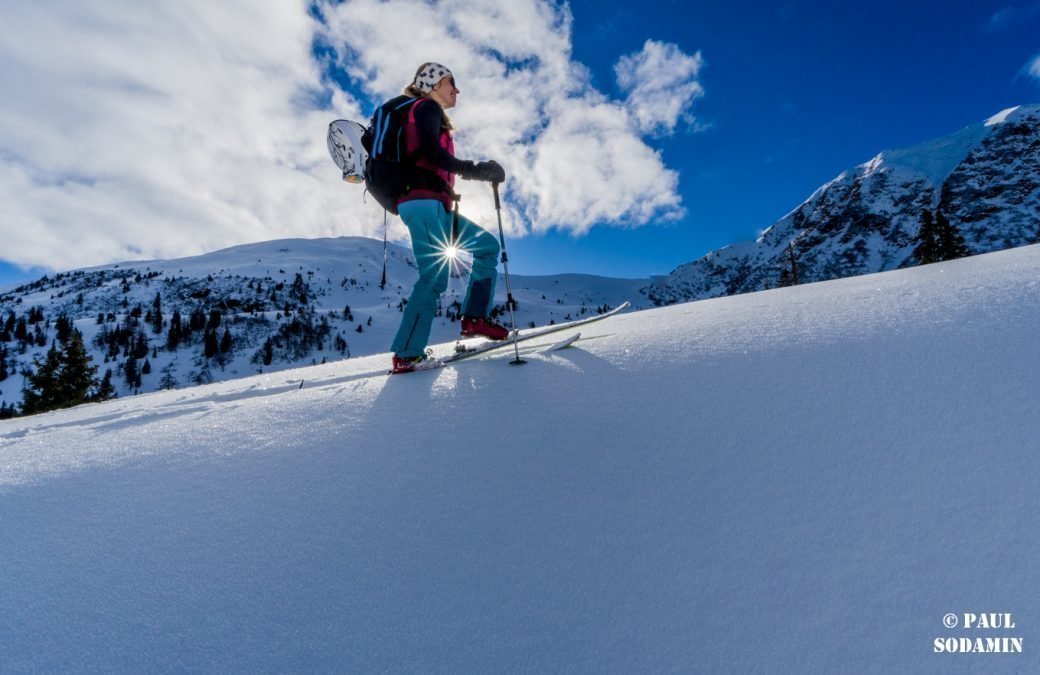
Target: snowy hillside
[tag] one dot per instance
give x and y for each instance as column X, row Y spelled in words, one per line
column 261, row 307
column 985, row 179
column 278, row 305
column 798, row 480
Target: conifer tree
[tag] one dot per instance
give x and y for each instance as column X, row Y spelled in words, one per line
column 197, row 320
column 21, row 330
column 78, row 377
column 157, row 317
column 225, row 342
column 140, row 348
column 41, row 386
column 168, row 381
column 927, row 250
column 211, row 346
column 268, row 354
column 173, row 337
column 938, row 240
column 65, row 378
column 130, row 372
column 63, row 328
column 299, row 290
column 789, row 274
column 105, row 389
column 951, row 244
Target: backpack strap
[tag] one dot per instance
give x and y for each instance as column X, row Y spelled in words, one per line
column 383, row 122
column 414, row 154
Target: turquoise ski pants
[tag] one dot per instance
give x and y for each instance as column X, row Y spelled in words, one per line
column 430, row 226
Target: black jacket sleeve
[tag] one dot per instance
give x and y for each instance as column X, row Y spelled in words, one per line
column 428, row 120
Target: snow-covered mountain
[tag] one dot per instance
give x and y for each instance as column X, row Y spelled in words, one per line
column 985, row 179
column 276, row 305
column 801, row 480
column 273, row 305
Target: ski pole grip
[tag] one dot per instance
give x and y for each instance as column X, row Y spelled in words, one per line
column 498, row 202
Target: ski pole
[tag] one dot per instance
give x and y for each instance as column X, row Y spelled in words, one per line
column 382, row 283
column 454, row 242
column 510, row 302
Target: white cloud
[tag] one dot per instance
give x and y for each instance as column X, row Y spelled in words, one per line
column 161, row 129
column 1000, row 19
column 575, row 158
column 1033, row 67
column 169, row 128
column 588, row 167
column 662, row 85
column 1010, row 15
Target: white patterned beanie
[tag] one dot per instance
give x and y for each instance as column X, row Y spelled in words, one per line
column 429, row 75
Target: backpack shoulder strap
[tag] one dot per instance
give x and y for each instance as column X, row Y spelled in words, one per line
column 383, row 120
column 411, row 120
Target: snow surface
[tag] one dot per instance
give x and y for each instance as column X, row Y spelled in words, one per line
column 797, row 480
column 935, row 159
column 1001, row 116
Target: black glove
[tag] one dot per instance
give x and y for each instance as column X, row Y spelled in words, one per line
column 490, row 171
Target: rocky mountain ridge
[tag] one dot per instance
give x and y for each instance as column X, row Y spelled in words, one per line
column 985, row 179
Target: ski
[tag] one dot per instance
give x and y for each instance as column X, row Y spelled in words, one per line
column 562, row 344
column 530, row 334
column 463, row 348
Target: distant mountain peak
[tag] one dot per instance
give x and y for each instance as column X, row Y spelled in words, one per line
column 985, row 178
column 1009, row 114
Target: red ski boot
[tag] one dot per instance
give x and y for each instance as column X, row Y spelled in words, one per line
column 489, row 328
column 410, row 364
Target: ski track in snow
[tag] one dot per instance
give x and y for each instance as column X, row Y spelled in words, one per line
column 799, row 480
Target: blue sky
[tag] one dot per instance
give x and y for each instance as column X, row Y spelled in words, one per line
column 179, row 128
column 796, row 93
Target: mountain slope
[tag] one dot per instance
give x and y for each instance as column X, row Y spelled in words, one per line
column 315, row 300
column 803, row 480
column 985, row 179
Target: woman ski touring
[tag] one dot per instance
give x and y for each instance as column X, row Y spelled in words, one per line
column 426, row 209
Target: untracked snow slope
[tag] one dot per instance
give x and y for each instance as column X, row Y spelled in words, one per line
column 798, row 480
